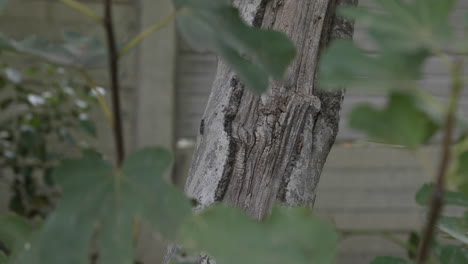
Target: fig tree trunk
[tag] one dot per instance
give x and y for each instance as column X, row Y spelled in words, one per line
column 255, row 150
column 252, row 150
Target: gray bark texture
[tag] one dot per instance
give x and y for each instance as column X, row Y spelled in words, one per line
column 254, row 151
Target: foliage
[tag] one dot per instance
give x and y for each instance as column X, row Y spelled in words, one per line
column 253, row 53
column 98, row 195
column 43, row 107
column 289, row 235
column 405, row 35
column 409, row 126
column 107, row 201
column 102, row 205
column 15, row 232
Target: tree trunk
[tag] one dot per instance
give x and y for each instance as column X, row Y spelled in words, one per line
column 255, row 150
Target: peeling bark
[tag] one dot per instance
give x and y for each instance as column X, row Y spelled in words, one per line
column 255, row 150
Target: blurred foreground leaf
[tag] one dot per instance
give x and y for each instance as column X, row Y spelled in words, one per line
column 255, row 54
column 401, row 122
column 345, row 65
column 76, row 50
column 406, row 26
column 290, row 235
column 423, row 196
column 15, row 232
column 457, row 227
column 96, row 195
column 451, row 254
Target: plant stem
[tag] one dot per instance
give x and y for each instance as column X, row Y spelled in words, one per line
column 102, row 101
column 83, row 9
column 145, row 33
column 438, row 194
column 114, row 71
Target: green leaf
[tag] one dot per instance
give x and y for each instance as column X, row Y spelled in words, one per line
column 423, row 196
column 254, row 53
column 290, row 235
column 390, row 260
column 456, row 227
column 451, row 254
column 346, row 65
column 97, row 195
column 3, row 258
column 406, row 25
column 401, row 122
column 413, row 244
column 15, row 232
column 459, row 175
column 76, row 50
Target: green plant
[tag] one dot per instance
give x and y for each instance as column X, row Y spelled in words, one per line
column 43, row 111
column 406, row 34
column 120, row 196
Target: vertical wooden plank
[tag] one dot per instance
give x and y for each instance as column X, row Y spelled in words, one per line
column 155, row 96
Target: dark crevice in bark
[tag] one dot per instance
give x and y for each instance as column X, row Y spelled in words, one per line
column 230, row 114
column 299, row 145
column 258, row 20
column 202, row 127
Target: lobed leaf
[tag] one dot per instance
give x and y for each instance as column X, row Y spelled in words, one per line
column 401, row 122
column 290, row 235
column 97, row 195
column 255, row 54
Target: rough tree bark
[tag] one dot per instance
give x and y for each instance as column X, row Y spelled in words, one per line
column 255, row 150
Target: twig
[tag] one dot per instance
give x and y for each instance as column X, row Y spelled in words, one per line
column 114, row 71
column 102, row 101
column 438, row 194
column 145, row 33
column 83, row 9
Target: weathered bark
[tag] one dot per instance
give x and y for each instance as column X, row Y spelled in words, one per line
column 255, row 150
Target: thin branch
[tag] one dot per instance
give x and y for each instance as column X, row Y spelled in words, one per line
column 83, row 9
column 101, row 100
column 145, row 33
column 438, row 194
column 115, row 87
